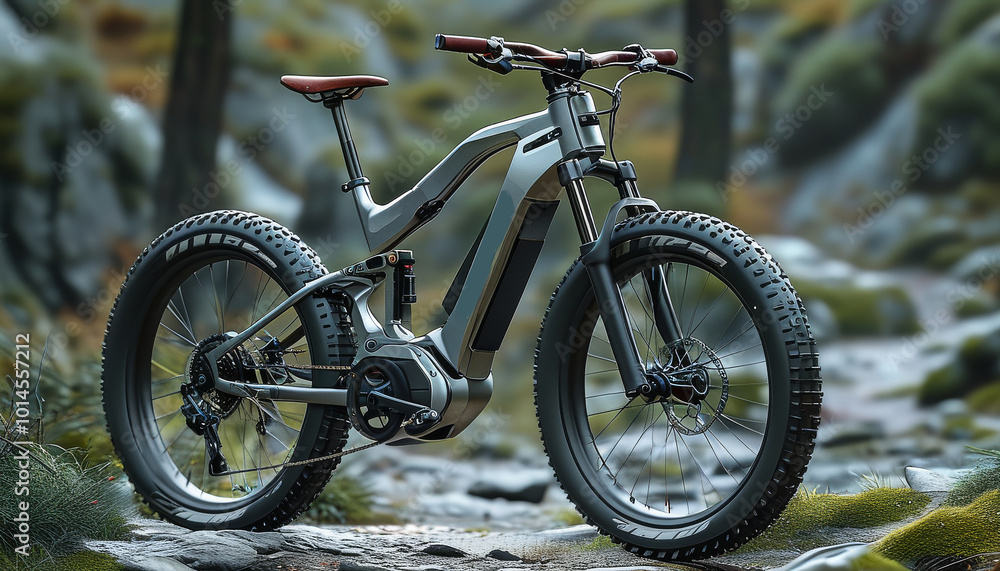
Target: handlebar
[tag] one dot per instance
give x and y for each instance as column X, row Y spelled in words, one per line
column 495, row 48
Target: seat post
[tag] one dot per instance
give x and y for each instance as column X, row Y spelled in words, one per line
column 336, row 105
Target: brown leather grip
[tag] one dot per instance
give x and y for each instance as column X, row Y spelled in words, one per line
column 607, row 58
column 665, row 57
column 461, row 44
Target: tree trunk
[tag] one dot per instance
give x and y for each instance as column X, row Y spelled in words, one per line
column 707, row 104
column 193, row 117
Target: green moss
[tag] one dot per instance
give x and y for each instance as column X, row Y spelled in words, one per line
column 965, row 428
column 947, row 531
column 975, row 365
column 598, row 543
column 848, row 68
column 975, row 306
column 982, row 479
column 39, row 560
column 961, row 92
column 985, row 399
column 875, row 562
column 941, row 384
column 864, row 311
column 568, row 517
column 88, row 561
column 962, row 18
column 802, row 524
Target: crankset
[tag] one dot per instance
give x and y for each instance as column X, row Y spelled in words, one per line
column 378, row 401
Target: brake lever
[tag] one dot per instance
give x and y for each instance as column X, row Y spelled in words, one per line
column 675, row 73
column 501, row 66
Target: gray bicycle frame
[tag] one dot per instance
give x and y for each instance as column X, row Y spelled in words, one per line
column 565, row 133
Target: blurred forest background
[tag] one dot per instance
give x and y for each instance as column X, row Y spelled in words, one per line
column 858, row 140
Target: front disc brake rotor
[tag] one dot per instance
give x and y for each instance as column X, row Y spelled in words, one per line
column 700, row 382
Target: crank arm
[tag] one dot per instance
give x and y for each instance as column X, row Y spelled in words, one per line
column 399, row 405
column 309, row 395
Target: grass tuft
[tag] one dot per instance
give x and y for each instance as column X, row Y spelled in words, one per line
column 345, row 500
column 67, row 501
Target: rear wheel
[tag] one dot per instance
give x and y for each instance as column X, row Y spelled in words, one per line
column 196, row 285
column 703, row 470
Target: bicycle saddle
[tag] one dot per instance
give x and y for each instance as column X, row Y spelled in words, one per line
column 352, row 85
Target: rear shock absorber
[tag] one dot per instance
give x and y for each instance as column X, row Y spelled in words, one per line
column 401, row 289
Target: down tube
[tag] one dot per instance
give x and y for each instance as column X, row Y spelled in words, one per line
column 503, row 262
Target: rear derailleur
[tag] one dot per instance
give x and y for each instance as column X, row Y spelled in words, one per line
column 204, row 423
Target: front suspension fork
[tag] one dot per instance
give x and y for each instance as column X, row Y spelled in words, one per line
column 596, row 258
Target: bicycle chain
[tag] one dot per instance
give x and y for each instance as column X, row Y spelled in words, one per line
column 304, row 462
column 321, row 458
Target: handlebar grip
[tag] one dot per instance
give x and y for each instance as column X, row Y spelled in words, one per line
column 607, row 58
column 665, row 57
column 461, row 44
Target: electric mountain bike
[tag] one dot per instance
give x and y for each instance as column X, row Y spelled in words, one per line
column 676, row 379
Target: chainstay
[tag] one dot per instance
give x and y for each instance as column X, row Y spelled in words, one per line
column 302, row 462
column 308, row 460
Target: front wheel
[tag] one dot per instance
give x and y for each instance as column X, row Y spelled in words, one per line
column 706, row 467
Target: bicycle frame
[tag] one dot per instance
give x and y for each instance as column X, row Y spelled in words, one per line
column 555, row 149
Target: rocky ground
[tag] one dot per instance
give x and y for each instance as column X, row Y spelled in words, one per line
column 160, row 546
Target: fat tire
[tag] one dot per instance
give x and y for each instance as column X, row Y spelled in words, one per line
column 796, row 387
column 331, row 341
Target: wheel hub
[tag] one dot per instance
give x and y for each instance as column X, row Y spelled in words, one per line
column 684, row 384
column 231, row 367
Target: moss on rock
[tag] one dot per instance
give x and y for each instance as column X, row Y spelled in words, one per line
column 960, row 93
column 947, row 531
column 864, row 311
column 964, row 17
column 802, row 524
column 985, row 399
column 984, row 478
column 976, row 365
column 841, row 64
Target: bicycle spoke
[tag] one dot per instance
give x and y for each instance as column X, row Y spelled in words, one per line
column 236, row 297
